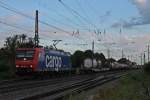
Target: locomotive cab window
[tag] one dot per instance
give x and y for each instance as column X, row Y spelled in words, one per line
column 27, row 54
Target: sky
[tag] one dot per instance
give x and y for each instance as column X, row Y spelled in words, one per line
column 113, row 25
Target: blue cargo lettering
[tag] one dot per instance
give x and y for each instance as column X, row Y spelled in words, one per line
column 49, row 61
column 53, row 61
column 57, row 61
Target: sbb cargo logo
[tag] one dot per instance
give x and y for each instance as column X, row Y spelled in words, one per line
column 53, row 61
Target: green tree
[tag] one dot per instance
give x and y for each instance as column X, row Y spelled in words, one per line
column 88, row 54
column 77, row 58
column 102, row 57
column 111, row 60
column 97, row 56
column 30, row 43
column 23, row 36
column 11, row 44
column 147, row 68
column 123, row 60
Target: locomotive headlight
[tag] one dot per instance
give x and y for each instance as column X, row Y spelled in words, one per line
column 31, row 66
column 17, row 66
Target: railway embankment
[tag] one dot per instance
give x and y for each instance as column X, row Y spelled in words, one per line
column 133, row 86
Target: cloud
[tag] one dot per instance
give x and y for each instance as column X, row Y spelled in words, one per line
column 105, row 17
column 143, row 7
column 133, row 21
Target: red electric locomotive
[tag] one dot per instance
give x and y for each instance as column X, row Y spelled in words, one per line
column 41, row 59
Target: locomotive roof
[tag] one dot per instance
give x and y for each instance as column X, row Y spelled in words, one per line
column 25, row 49
column 60, row 52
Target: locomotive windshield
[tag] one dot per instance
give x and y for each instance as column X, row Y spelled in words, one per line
column 25, row 54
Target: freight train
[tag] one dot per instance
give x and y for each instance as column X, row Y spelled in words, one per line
column 49, row 60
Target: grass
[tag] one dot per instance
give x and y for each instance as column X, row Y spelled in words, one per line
column 133, row 86
column 5, row 75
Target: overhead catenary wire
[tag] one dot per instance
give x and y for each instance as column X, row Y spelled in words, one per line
column 95, row 12
column 80, row 16
column 77, row 14
column 14, row 10
column 14, row 26
column 61, row 23
column 77, row 26
column 82, row 9
column 7, row 7
column 91, row 7
column 60, row 14
column 74, row 15
column 19, row 28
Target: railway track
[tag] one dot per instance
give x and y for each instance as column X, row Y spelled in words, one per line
column 11, row 81
column 73, row 88
column 31, row 82
column 52, row 88
column 19, row 85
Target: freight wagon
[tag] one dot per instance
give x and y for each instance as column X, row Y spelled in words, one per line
column 41, row 59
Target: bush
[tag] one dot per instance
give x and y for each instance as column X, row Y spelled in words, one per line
column 4, row 66
column 5, row 70
column 147, row 68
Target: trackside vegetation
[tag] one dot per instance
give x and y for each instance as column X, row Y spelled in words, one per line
column 133, row 86
column 4, row 68
column 147, row 68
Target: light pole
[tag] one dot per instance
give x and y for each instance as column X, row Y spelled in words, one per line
column 36, row 37
column 141, row 56
column 108, row 53
column 93, row 52
column 144, row 58
column 148, row 52
column 122, row 54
